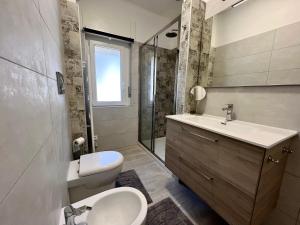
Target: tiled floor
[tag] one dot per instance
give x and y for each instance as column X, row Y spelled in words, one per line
column 160, row 183
column 160, row 148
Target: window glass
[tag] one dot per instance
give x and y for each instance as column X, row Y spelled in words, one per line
column 108, row 74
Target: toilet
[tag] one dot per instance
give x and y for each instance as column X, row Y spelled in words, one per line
column 93, row 173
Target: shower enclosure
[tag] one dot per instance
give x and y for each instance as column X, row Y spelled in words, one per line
column 158, row 73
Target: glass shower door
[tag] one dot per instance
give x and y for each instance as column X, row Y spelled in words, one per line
column 147, row 87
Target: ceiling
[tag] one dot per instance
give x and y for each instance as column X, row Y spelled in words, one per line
column 166, row 8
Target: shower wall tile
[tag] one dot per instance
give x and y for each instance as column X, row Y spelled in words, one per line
column 165, row 87
column 21, row 37
column 24, row 107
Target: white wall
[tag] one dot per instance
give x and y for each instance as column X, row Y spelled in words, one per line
column 252, row 18
column 35, row 139
column 121, row 18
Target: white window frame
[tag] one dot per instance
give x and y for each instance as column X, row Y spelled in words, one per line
column 124, row 73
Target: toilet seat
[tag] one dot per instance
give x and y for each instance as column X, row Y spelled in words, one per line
column 99, row 162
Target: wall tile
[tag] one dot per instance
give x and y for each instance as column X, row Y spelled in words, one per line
column 50, row 13
column 115, row 127
column 21, row 37
column 281, row 77
column 249, row 46
column 53, row 54
column 245, row 65
column 285, row 59
column 287, row 36
column 25, row 107
column 117, row 141
column 33, row 200
column 255, row 79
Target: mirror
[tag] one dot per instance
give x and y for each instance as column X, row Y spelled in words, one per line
column 255, row 44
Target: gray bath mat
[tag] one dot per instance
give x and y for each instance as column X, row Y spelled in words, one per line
column 131, row 179
column 166, row 212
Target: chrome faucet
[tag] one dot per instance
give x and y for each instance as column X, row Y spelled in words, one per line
column 70, row 213
column 229, row 113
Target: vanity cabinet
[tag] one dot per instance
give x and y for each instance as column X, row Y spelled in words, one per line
column 240, row 181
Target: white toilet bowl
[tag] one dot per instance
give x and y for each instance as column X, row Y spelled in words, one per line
column 93, row 173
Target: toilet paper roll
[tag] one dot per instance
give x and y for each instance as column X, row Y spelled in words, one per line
column 78, row 141
column 198, row 92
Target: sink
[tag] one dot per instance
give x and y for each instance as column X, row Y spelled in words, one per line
column 252, row 133
column 118, row 206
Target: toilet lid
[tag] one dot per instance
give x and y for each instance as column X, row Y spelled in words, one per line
column 99, row 162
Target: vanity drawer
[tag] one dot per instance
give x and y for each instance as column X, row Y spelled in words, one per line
column 197, row 177
column 232, row 203
column 238, row 163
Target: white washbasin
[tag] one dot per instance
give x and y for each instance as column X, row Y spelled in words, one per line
column 118, row 206
column 252, row 133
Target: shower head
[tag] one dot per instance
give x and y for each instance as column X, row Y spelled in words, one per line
column 172, row 34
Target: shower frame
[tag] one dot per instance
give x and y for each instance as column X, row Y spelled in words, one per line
column 154, row 38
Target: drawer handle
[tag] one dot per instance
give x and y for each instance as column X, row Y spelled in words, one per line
column 272, row 160
column 196, row 171
column 201, row 136
column 287, row 150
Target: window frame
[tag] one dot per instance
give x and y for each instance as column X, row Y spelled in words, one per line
column 124, row 73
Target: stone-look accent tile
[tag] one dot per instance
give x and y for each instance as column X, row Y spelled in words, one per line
column 26, row 120
column 165, row 84
column 194, row 52
column 249, row 46
column 287, row 36
column 285, row 59
column 21, row 37
column 73, row 67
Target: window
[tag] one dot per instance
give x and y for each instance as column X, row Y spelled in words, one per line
column 110, row 73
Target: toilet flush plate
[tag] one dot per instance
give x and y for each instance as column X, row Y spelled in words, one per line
column 99, row 162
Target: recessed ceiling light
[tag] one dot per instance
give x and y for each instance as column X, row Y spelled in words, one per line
column 238, row 3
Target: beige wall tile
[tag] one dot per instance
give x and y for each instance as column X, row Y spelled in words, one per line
column 287, row 36
column 26, row 120
column 285, row 59
column 21, row 36
column 249, row 46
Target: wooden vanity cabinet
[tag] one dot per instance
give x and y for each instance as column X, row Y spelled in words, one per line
column 240, row 181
